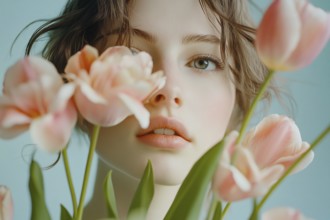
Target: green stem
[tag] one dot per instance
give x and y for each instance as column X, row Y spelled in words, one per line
column 212, row 208
column 87, row 171
column 225, row 210
column 69, row 178
column 324, row 133
column 253, row 106
column 254, row 215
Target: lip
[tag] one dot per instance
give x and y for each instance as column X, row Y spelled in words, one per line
column 171, row 142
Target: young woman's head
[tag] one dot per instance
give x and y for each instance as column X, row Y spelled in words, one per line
column 205, row 49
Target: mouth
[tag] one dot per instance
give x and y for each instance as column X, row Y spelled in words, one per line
column 165, row 133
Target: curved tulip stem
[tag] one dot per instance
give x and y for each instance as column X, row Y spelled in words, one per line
column 324, row 133
column 92, row 147
column 253, row 106
column 225, row 210
column 69, row 178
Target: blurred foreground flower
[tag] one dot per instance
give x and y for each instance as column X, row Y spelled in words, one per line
column 250, row 169
column 35, row 98
column 283, row 214
column 113, row 85
column 6, row 204
column 291, row 34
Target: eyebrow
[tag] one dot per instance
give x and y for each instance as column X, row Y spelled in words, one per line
column 193, row 38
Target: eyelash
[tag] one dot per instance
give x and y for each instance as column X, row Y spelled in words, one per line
column 219, row 65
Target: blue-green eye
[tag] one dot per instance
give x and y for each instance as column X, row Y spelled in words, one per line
column 205, row 63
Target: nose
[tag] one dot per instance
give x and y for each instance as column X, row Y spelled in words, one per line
column 170, row 95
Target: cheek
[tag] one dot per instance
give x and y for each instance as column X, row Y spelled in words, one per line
column 213, row 111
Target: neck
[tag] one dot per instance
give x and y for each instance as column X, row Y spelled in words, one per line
column 125, row 186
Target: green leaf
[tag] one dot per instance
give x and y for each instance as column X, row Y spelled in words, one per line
column 36, row 186
column 65, row 215
column 143, row 195
column 110, row 197
column 190, row 197
column 218, row 211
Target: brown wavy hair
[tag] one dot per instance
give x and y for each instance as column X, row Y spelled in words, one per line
column 91, row 21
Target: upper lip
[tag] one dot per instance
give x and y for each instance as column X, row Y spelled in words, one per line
column 166, row 122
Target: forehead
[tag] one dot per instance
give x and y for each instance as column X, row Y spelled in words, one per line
column 164, row 17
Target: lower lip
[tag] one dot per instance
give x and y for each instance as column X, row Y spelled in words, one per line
column 170, row 142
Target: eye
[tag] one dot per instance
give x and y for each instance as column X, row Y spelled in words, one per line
column 206, row 63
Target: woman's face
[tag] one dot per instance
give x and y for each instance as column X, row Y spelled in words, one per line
column 191, row 113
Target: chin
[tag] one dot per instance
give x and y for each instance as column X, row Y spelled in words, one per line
column 169, row 170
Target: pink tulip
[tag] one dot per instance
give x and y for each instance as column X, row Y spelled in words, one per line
column 283, row 214
column 114, row 85
column 239, row 177
column 36, row 98
column 250, row 169
column 291, row 34
column 277, row 140
column 6, row 204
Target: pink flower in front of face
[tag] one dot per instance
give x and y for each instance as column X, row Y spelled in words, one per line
column 283, row 213
column 6, row 204
column 277, row 140
column 291, row 34
column 239, row 176
column 35, row 98
column 114, row 85
column 251, row 168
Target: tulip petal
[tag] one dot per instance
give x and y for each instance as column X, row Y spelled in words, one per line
column 63, row 96
column 6, row 204
column 91, row 94
column 315, row 34
column 82, row 60
column 289, row 160
column 108, row 114
column 241, row 181
column 12, row 121
column 116, row 51
column 139, row 111
column 52, row 131
column 273, row 137
column 28, row 69
column 278, row 33
column 283, row 213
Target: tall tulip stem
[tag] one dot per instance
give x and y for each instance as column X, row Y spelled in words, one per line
column 254, row 104
column 69, row 179
column 322, row 135
column 92, row 147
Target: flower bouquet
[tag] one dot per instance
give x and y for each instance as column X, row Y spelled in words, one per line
column 102, row 90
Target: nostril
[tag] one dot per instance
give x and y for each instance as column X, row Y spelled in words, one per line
column 159, row 98
column 177, row 101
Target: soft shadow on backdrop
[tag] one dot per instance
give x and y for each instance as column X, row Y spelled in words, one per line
column 310, row 87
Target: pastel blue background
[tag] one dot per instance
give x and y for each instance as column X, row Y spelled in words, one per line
column 310, row 87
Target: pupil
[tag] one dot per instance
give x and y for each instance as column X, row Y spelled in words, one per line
column 202, row 64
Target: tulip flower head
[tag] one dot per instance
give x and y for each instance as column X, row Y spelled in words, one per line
column 284, row 213
column 114, row 85
column 35, row 98
column 251, row 168
column 291, row 34
column 6, row 204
